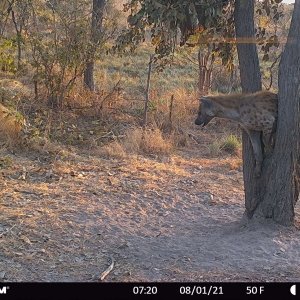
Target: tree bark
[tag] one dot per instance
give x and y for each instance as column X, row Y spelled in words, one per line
column 205, row 72
column 89, row 76
column 282, row 182
column 19, row 36
column 251, row 82
column 96, row 30
column 274, row 194
column 147, row 98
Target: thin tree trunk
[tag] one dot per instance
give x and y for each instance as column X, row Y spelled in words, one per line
column 251, row 82
column 205, row 72
column 19, row 38
column 36, row 91
column 96, row 30
column 89, row 75
column 147, row 98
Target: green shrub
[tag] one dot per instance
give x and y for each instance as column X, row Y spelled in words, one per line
column 231, row 144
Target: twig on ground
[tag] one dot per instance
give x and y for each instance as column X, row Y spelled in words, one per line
column 7, row 230
column 28, row 192
column 158, row 234
column 193, row 137
column 108, row 270
column 104, row 136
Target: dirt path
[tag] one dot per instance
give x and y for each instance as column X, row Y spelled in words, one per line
column 174, row 219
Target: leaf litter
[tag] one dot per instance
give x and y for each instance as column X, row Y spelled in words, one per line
column 179, row 219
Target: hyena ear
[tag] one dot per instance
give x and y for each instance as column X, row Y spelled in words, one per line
column 205, row 100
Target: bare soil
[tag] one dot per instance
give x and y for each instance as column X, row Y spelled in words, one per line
column 176, row 218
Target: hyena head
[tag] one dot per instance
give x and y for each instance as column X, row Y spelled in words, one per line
column 206, row 112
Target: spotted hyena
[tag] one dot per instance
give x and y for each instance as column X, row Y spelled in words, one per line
column 256, row 113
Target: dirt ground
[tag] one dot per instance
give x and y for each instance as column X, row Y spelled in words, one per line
column 177, row 218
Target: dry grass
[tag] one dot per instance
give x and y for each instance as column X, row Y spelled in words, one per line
column 110, row 118
column 113, row 150
column 231, row 144
column 171, row 116
column 150, row 141
column 11, row 125
column 107, row 97
column 228, row 144
column 13, row 91
column 139, row 141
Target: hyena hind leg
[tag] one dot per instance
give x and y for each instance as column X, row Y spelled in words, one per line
column 257, row 150
column 268, row 139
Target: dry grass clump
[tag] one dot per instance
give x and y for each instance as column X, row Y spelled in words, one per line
column 113, row 150
column 12, row 92
column 175, row 109
column 138, row 141
column 11, row 125
column 150, row 141
column 46, row 146
column 98, row 103
column 230, row 144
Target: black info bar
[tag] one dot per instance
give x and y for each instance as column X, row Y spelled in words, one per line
column 141, row 290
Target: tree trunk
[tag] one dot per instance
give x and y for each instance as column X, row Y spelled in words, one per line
column 89, row 76
column 96, row 30
column 283, row 171
column 275, row 192
column 19, row 37
column 19, row 41
column 251, row 82
column 205, row 72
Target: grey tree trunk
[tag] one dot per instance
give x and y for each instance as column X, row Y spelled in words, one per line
column 89, row 76
column 96, row 31
column 283, row 171
column 18, row 29
column 274, row 194
column 251, row 82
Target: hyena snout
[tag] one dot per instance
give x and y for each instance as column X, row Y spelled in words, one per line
column 203, row 120
column 198, row 121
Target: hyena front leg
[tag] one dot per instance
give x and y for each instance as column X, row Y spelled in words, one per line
column 257, row 150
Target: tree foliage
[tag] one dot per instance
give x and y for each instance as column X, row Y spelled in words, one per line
column 57, row 39
column 57, row 35
column 7, row 57
column 168, row 23
column 269, row 12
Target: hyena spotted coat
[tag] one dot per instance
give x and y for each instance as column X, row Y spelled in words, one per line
column 256, row 113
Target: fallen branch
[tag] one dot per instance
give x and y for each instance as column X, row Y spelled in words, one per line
column 105, row 135
column 108, row 270
column 193, row 137
column 7, row 230
column 28, row 192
